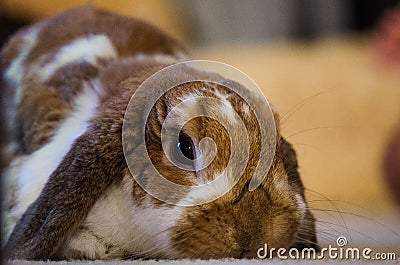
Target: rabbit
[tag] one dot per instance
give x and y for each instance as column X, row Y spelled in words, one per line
column 68, row 81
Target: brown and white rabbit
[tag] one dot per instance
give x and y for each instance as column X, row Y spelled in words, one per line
column 70, row 194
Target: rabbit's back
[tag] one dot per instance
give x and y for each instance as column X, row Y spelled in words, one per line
column 52, row 88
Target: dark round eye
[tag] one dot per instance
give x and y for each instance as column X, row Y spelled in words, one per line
column 186, row 146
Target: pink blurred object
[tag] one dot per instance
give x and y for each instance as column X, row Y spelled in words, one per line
column 388, row 50
column 388, row 38
column 392, row 165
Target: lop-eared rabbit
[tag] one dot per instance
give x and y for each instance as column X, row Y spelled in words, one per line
column 70, row 194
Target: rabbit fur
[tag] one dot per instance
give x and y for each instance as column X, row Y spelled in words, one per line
column 70, row 195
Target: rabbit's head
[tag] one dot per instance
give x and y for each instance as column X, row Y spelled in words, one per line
column 139, row 216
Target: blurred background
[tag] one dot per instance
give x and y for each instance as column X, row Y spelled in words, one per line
column 207, row 22
column 330, row 67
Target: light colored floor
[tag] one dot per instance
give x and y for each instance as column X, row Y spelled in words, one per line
column 198, row 262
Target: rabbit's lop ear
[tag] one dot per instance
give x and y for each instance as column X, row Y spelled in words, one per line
column 93, row 163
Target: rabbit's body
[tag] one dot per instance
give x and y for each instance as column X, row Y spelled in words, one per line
column 69, row 80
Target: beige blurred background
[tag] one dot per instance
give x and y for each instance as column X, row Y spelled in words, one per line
column 339, row 105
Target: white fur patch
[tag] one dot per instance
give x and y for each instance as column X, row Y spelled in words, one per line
column 301, row 205
column 184, row 111
column 190, row 108
column 15, row 72
column 30, row 174
column 210, row 191
column 117, row 220
column 181, row 56
column 222, row 96
column 228, row 111
column 225, row 107
column 87, row 49
column 246, row 109
column 189, row 96
column 160, row 58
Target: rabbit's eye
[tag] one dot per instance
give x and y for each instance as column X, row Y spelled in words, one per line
column 186, row 146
